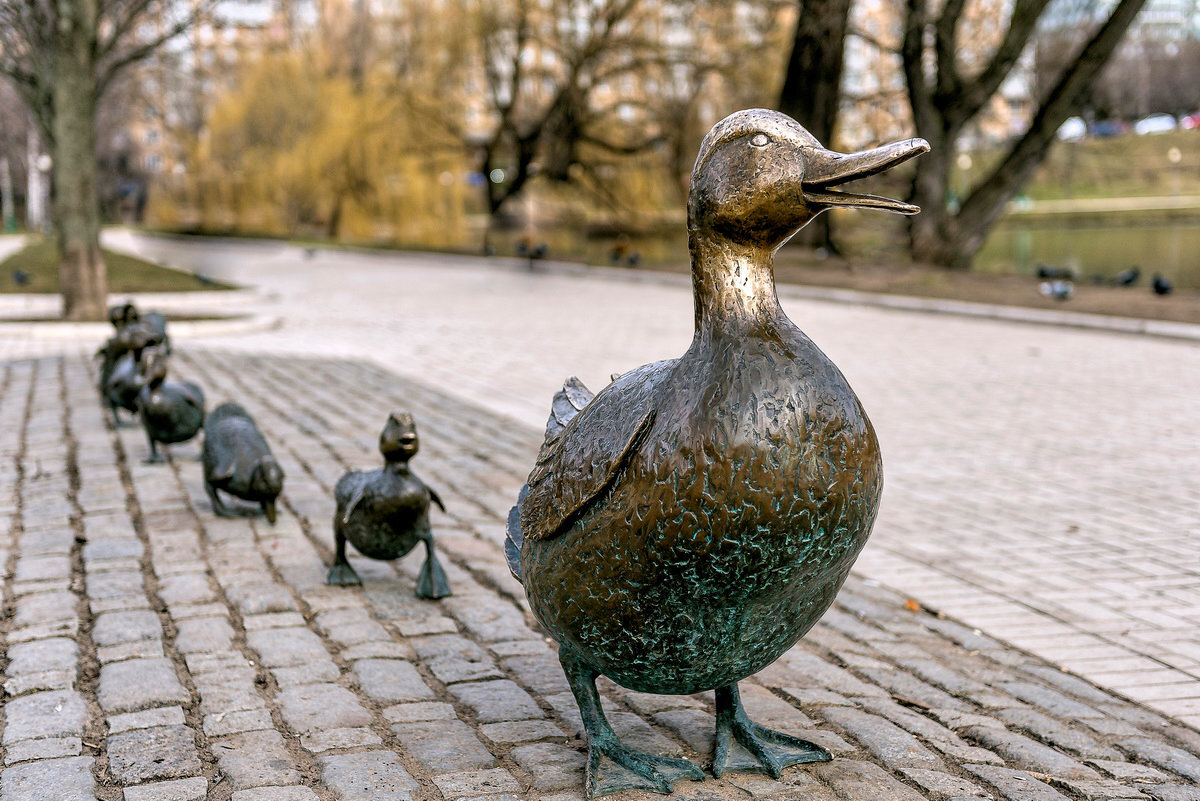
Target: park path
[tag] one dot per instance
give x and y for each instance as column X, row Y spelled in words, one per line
column 156, row 652
column 1040, row 482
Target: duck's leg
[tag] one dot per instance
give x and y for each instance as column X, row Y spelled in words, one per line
column 155, row 457
column 341, row 574
column 743, row 745
column 219, row 508
column 431, row 582
column 641, row 771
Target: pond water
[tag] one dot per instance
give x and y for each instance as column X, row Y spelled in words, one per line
column 1096, row 249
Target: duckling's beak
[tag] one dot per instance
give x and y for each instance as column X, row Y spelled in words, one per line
column 826, row 168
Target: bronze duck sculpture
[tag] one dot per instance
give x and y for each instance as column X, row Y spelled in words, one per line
column 384, row 513
column 685, row 526
column 237, row 460
column 171, row 411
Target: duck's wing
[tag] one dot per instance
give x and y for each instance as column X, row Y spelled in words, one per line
column 577, row 464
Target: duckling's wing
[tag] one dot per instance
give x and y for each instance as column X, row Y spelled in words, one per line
column 579, row 463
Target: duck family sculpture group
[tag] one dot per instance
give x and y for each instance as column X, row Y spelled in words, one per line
column 685, row 526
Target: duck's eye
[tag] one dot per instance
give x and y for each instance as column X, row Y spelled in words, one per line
column 760, row 140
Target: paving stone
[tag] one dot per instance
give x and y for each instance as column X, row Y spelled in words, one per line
column 142, row 649
column 255, row 759
column 412, row 713
column 443, row 746
column 112, row 548
column 488, row 621
column 164, row 752
column 256, row 599
column 520, row 731
column 114, row 628
column 37, row 682
column 1097, row 790
column 68, row 779
column 58, row 713
column 1129, row 770
column 1173, row 792
column 552, row 767
column 48, row 748
column 275, row 794
column 378, row 650
column 203, row 635
column 315, row 672
column 139, row 684
column 896, row 747
column 312, row 707
column 1167, row 757
column 367, row 776
column 272, row 620
column 1056, row 733
column 1015, row 785
column 41, row 656
column 541, row 673
column 41, row 568
column 1050, row 701
column 476, row 783
column 852, row 779
column 45, row 608
column 1029, row 754
column 186, row 588
column 495, row 701
column 696, row 727
column 287, row 647
column 222, row 723
column 943, row 785
column 193, row 789
column 391, row 680
column 146, row 719
column 331, row 739
column 647, row 704
column 452, row 670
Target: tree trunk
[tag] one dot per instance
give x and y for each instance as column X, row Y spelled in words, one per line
column 82, row 277
column 812, row 87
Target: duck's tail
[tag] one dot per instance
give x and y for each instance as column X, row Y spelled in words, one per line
column 513, row 538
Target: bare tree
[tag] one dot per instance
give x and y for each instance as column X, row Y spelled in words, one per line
column 946, row 95
column 62, row 55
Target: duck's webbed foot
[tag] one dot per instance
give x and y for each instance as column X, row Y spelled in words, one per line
column 432, row 582
column 632, row 770
column 743, row 745
column 341, row 574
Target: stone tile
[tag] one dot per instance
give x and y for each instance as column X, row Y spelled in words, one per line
column 203, row 635
column 332, row 739
column 67, row 779
column 367, row 776
column 139, row 684
column 48, row 748
column 521, row 731
column 163, row 752
column 115, row 628
column 1015, row 785
column 552, row 767
column 312, row 707
column 141, row 649
column 59, row 713
column 255, row 759
column 146, row 719
column 943, row 785
column 1029, row 754
column 495, row 701
column 193, row 789
column 853, row 779
column 222, row 723
column 391, row 680
column 476, row 783
column 1165, row 756
column 895, row 747
column 41, row 656
column 275, row 794
column 413, row 713
column 287, row 647
column 443, row 746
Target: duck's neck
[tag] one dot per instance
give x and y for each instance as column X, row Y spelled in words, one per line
column 733, row 285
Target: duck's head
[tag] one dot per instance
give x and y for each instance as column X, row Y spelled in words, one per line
column 154, row 366
column 398, row 442
column 760, row 177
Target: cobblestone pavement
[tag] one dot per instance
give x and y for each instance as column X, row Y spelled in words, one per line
column 1040, row 482
column 154, row 652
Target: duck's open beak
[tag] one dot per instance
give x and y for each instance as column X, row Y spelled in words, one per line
column 827, row 168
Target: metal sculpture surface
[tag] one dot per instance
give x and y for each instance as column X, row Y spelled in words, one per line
column 237, row 460
column 171, row 411
column 687, row 525
column 384, row 513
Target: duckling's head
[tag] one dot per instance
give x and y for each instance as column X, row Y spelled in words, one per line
column 398, row 442
column 154, row 365
column 760, row 177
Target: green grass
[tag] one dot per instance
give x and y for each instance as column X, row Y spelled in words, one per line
column 125, row 273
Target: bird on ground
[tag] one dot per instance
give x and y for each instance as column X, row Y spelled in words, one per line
column 1048, row 272
column 171, row 411
column 237, row 460
column 1128, row 277
column 20, row 277
column 685, row 526
column 1059, row 290
column 1161, row 285
column 384, row 513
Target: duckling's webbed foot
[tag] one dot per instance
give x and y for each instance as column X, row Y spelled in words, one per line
column 431, row 582
column 743, row 745
column 633, row 770
column 341, row 574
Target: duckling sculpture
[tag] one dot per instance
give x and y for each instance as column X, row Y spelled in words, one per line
column 237, row 460
column 684, row 527
column 122, row 379
column 171, row 411
column 384, row 513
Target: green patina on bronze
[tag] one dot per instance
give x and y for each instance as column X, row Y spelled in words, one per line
column 689, row 523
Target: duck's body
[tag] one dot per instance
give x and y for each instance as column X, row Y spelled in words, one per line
column 688, row 524
column 384, row 513
column 737, row 528
column 124, row 383
column 171, row 411
column 237, row 460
